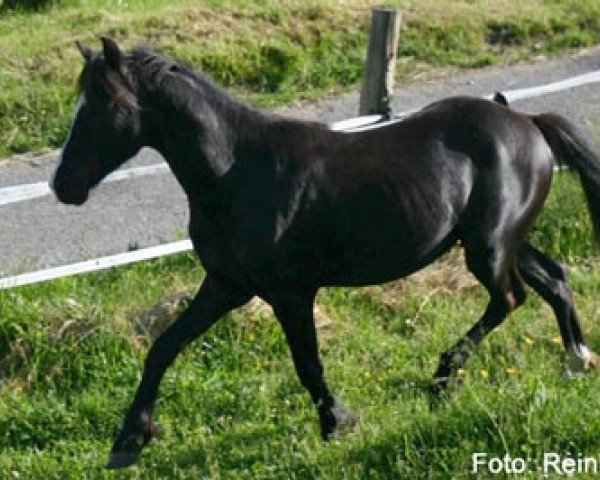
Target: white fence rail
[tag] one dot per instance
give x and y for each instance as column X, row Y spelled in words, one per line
column 96, row 265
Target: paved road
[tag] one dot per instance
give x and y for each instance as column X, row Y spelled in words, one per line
column 152, row 210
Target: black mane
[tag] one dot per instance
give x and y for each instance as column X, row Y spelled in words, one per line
column 153, row 72
column 151, row 69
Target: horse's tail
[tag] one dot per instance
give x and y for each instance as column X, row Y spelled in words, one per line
column 575, row 148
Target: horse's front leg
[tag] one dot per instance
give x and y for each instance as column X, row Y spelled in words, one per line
column 215, row 298
column 296, row 318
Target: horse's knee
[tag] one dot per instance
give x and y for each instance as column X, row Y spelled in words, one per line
column 559, row 271
column 515, row 298
column 508, row 300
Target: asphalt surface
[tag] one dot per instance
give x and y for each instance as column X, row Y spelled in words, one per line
column 152, row 210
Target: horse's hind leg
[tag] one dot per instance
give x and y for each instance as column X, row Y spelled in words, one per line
column 296, row 318
column 495, row 268
column 548, row 279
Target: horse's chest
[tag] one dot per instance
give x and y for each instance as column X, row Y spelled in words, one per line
column 238, row 250
column 211, row 243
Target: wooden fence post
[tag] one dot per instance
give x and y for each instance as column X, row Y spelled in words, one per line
column 378, row 81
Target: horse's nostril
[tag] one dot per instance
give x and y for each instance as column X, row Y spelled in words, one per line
column 69, row 194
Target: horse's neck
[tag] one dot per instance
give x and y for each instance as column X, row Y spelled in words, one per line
column 200, row 142
column 205, row 135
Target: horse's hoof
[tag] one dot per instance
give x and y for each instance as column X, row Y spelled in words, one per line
column 132, row 439
column 437, row 391
column 440, row 385
column 343, row 416
column 594, row 362
column 440, row 389
column 122, row 459
column 583, row 359
column 338, row 418
column 436, row 388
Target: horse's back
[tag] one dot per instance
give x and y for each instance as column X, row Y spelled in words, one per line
column 453, row 137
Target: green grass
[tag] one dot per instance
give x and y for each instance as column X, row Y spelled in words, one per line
column 564, row 225
column 265, row 51
column 71, row 352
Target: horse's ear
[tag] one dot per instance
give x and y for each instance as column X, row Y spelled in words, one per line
column 86, row 52
column 112, row 53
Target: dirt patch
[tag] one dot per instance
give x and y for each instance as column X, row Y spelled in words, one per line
column 259, row 308
column 151, row 323
column 448, row 276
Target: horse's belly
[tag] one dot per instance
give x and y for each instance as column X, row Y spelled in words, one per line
column 367, row 264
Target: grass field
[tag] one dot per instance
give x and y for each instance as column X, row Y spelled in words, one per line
column 267, row 51
column 71, row 351
column 231, row 407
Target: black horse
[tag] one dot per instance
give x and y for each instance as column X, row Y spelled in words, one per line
column 281, row 207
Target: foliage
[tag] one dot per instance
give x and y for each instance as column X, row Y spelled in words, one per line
column 266, row 51
column 563, row 229
column 24, row 4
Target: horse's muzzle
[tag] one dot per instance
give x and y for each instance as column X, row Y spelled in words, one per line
column 69, row 195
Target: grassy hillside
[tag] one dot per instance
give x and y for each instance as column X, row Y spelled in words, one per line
column 267, row 51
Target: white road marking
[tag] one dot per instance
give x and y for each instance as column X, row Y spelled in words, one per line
column 559, row 86
column 374, row 121
column 357, row 122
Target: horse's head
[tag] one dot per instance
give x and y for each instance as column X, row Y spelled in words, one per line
column 106, row 130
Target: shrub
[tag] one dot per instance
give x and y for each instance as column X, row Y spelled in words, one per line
column 25, row 4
